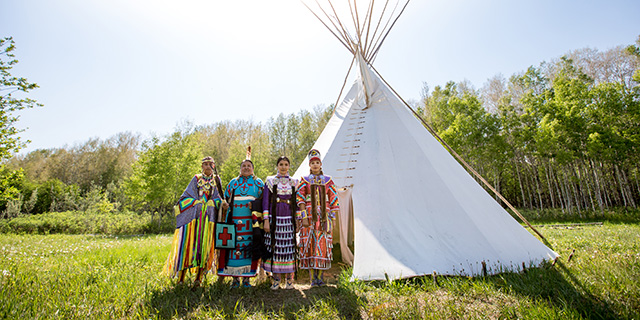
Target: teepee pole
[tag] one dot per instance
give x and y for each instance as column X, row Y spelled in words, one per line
column 344, row 31
column 383, row 31
column 368, row 18
column 344, row 43
column 464, row 163
column 356, row 21
column 344, row 83
column 375, row 53
column 355, row 18
column 375, row 31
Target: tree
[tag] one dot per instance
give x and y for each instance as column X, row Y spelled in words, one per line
column 634, row 51
column 163, row 170
column 9, row 140
column 10, row 185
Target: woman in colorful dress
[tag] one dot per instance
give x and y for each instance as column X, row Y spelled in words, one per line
column 240, row 193
column 192, row 248
column 317, row 199
column 279, row 214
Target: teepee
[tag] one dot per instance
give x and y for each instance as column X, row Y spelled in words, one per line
column 408, row 208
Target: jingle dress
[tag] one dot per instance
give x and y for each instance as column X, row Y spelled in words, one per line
column 283, row 200
column 239, row 262
column 192, row 245
column 316, row 242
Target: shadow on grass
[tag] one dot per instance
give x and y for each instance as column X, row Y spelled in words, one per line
column 557, row 286
column 220, row 300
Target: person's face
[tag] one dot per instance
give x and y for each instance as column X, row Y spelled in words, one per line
column 283, row 167
column 207, row 168
column 246, row 169
column 315, row 166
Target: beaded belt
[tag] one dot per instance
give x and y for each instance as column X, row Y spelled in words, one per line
column 287, row 201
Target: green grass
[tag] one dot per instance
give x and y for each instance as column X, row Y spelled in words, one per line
column 61, row 276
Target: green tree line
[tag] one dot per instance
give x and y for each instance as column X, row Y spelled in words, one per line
column 127, row 173
column 564, row 134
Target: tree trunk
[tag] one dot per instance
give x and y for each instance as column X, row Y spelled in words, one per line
column 588, row 183
column 520, row 182
column 627, row 188
column 597, row 187
column 575, row 195
column 583, row 184
column 536, row 178
column 620, row 185
column 529, row 185
column 607, row 188
column 556, row 182
column 547, row 174
column 565, row 192
column 635, row 175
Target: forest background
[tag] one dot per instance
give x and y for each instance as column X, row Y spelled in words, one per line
column 562, row 135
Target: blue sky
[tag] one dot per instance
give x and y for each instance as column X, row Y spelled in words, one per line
column 144, row 66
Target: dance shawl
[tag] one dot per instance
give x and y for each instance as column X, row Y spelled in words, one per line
column 195, row 218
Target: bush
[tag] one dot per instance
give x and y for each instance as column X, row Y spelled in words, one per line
column 613, row 215
column 75, row 222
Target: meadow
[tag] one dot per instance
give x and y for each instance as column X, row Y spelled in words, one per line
column 65, row 276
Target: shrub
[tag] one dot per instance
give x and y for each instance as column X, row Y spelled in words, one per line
column 76, row 222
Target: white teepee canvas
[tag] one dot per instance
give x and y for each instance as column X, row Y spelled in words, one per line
column 415, row 209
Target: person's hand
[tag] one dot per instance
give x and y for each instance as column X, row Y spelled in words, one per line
column 225, row 205
column 267, row 226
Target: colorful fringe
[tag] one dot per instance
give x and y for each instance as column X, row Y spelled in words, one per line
column 192, row 245
column 284, row 255
column 315, row 249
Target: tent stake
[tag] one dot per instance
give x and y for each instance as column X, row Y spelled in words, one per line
column 571, row 255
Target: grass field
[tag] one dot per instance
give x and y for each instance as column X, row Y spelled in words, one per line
column 62, row 276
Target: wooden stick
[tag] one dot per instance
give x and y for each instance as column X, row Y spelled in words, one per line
column 571, row 255
column 571, row 224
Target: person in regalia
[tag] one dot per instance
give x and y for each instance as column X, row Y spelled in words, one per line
column 317, row 199
column 192, row 248
column 280, row 216
column 241, row 192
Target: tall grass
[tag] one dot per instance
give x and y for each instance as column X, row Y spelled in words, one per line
column 97, row 277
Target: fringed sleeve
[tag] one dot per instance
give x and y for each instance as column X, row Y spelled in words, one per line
column 332, row 194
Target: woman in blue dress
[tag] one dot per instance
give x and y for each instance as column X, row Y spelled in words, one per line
column 240, row 193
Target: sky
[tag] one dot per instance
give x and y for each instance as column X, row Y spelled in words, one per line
column 145, row 66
